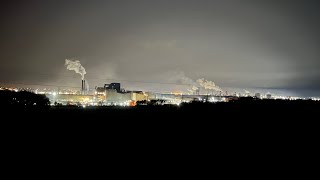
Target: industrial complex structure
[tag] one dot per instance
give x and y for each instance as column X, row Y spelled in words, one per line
column 113, row 95
column 109, row 94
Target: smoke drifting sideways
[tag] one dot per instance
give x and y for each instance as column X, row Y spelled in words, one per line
column 74, row 65
column 195, row 85
column 210, row 85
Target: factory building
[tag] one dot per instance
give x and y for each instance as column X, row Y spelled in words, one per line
column 113, row 86
column 109, row 94
column 109, row 87
column 113, row 94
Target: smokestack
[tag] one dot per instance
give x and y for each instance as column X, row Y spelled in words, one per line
column 82, row 86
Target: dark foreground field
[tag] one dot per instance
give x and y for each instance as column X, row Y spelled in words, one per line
column 227, row 127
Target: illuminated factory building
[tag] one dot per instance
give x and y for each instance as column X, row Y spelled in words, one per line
column 113, row 94
column 109, row 94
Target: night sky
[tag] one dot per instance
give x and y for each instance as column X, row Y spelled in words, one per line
column 245, row 44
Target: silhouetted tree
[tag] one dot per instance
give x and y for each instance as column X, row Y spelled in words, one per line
column 23, row 99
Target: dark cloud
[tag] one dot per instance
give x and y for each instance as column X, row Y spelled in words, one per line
column 238, row 44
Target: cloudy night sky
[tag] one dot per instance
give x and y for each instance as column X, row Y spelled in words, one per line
column 245, row 44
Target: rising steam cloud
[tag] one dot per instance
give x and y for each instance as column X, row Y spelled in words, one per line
column 210, row 85
column 180, row 77
column 74, row 65
column 195, row 85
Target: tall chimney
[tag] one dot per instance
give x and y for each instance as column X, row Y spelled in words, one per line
column 82, row 85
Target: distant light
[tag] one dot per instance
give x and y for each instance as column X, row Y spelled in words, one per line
column 84, row 106
column 54, row 93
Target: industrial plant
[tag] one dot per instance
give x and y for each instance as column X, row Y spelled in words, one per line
column 112, row 94
column 109, row 94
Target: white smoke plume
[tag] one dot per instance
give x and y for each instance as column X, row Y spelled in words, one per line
column 74, row 65
column 210, row 85
column 180, row 77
